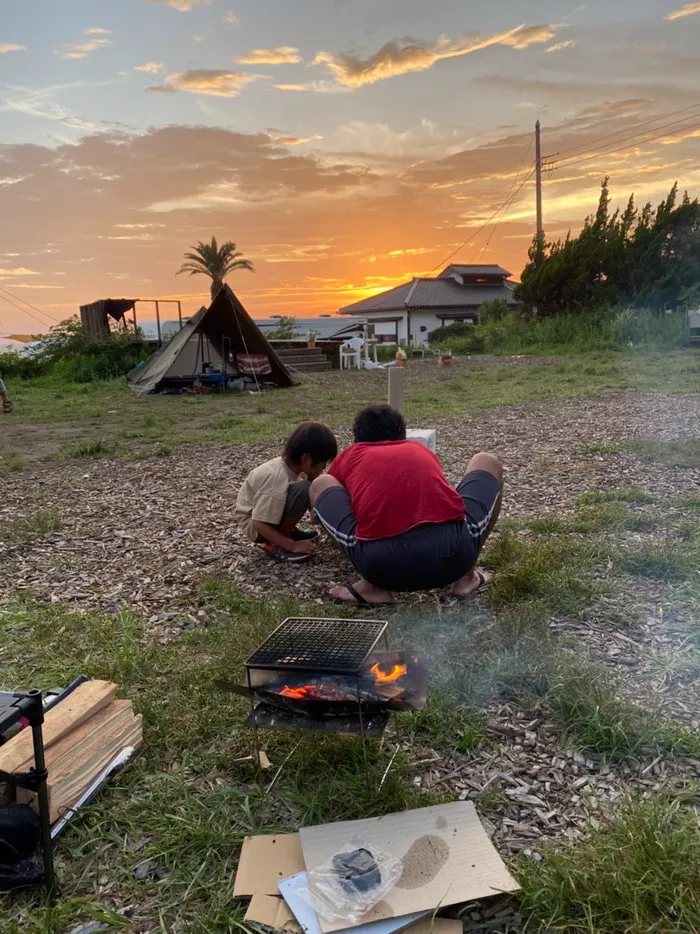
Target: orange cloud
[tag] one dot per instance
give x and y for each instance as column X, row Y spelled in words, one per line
column 230, row 19
column 686, row 10
column 11, row 47
column 184, row 6
column 560, row 46
column 282, row 55
column 211, row 82
column 398, row 58
column 16, row 272
column 97, row 31
column 81, row 49
column 151, row 68
column 294, row 140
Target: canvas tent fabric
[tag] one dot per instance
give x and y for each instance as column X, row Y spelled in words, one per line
column 211, row 336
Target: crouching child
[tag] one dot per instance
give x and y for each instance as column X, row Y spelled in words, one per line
column 275, row 496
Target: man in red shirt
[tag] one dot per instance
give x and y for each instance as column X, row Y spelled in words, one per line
column 386, row 502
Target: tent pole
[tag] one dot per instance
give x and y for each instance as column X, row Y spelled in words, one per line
column 160, row 340
column 179, row 313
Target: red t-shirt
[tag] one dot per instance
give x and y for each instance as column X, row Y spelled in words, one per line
column 395, row 486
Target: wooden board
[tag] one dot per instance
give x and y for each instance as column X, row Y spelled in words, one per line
column 17, row 755
column 75, row 761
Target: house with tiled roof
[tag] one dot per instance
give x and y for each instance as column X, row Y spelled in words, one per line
column 409, row 312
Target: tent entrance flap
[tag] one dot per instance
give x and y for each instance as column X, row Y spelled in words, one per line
column 218, row 336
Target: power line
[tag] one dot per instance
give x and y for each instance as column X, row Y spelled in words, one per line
column 574, row 150
column 23, row 310
column 483, row 227
column 509, row 199
column 29, row 304
column 594, row 155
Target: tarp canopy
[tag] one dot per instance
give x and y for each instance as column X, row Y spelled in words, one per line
column 214, row 335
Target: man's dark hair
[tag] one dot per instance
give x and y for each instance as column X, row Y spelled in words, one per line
column 311, row 438
column 379, row 423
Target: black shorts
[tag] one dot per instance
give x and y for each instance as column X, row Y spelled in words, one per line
column 423, row 558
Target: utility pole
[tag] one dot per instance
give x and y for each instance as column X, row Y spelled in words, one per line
column 538, row 185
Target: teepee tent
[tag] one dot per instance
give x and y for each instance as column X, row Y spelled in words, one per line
column 223, row 335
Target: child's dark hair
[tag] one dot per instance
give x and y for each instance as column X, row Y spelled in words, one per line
column 379, row 423
column 311, row 438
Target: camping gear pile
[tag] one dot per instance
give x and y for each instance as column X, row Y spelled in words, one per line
column 372, row 876
column 55, row 767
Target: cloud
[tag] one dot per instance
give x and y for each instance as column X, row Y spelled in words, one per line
column 401, row 56
column 230, row 19
column 11, row 47
column 560, row 46
column 282, row 55
column 17, row 272
column 686, row 10
column 39, row 103
column 81, row 49
column 184, row 6
column 211, row 82
column 320, row 87
column 151, row 68
column 97, row 31
column 293, row 140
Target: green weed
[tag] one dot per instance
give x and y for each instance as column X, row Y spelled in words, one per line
column 635, row 873
column 616, row 496
column 95, row 447
column 33, row 526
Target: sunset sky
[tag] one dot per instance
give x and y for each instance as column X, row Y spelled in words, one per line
column 344, row 145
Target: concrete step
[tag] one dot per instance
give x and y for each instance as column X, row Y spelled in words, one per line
column 315, row 367
column 300, row 352
column 297, row 359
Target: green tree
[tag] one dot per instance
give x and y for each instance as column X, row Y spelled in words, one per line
column 648, row 258
column 286, row 329
column 210, row 259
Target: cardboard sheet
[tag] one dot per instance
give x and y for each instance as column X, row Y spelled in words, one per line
column 293, row 891
column 446, row 853
column 265, row 860
column 272, row 912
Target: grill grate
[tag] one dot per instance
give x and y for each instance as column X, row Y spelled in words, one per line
column 340, row 646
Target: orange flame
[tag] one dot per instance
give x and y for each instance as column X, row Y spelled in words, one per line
column 384, row 677
column 301, row 693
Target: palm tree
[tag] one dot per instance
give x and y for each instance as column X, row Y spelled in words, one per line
column 210, row 259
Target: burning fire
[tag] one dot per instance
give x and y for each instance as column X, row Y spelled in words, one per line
column 303, row 693
column 385, row 677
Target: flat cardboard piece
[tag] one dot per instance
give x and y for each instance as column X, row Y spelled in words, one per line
column 272, row 912
column 265, row 860
column 295, row 893
column 447, row 856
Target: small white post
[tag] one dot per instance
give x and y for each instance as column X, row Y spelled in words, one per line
column 397, row 379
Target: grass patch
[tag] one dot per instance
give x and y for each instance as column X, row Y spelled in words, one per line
column 605, row 517
column 588, row 702
column 682, row 452
column 554, row 571
column 33, row 526
column 659, row 560
column 631, row 495
column 95, row 447
column 635, row 873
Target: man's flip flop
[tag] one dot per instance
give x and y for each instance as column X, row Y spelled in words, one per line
column 482, row 588
column 357, row 598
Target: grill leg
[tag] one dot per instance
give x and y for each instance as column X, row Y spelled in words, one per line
column 363, row 732
column 256, row 747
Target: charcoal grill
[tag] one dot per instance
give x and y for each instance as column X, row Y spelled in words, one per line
column 317, row 647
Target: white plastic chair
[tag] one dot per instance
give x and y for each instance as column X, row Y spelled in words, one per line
column 351, row 351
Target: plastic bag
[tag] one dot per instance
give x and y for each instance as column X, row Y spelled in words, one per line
column 352, row 881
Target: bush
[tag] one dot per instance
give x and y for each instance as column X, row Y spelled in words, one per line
column 14, row 366
column 450, row 331
column 608, row 329
column 72, row 355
